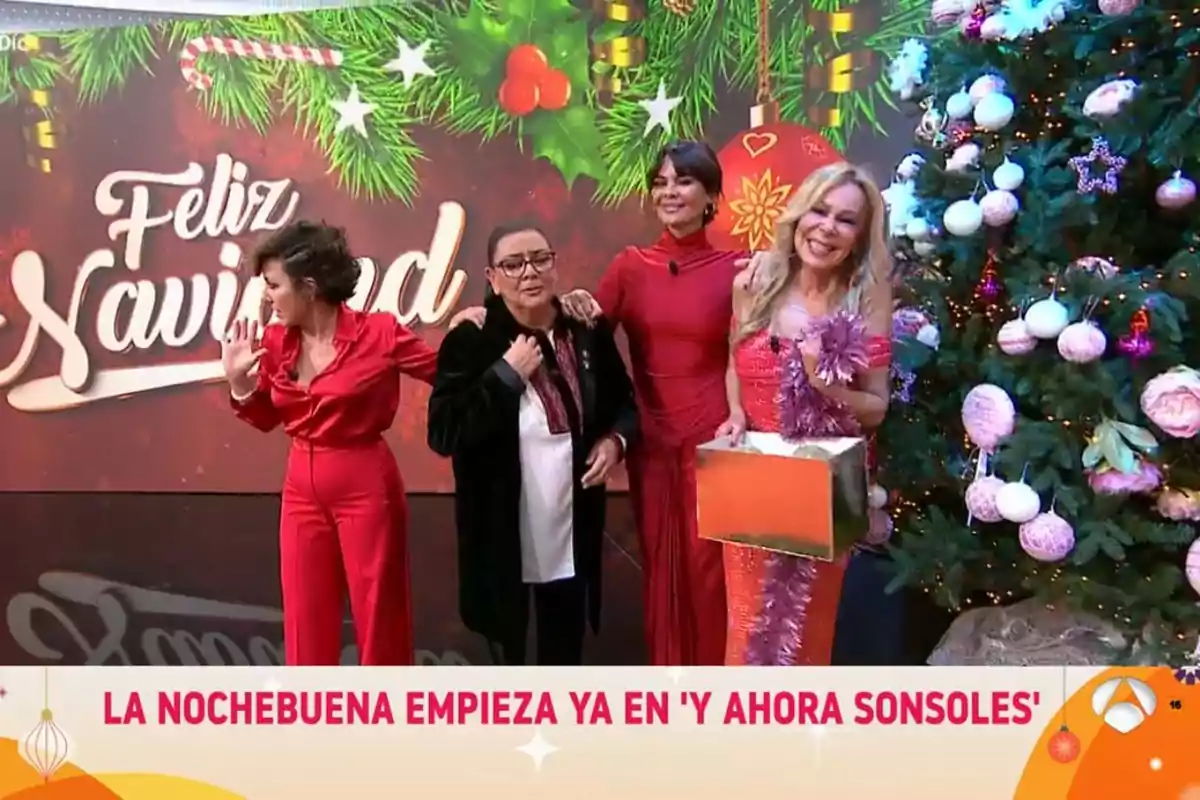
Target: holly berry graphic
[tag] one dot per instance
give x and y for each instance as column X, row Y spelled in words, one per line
column 518, row 96
column 554, row 91
column 526, row 61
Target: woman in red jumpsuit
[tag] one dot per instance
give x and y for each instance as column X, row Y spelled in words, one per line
column 330, row 376
column 674, row 300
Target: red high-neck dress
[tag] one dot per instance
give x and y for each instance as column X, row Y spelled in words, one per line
column 675, row 300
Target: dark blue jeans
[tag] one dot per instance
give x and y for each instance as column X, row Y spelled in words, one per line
column 870, row 622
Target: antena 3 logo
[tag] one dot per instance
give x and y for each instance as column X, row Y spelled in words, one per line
column 1124, row 715
column 10, row 42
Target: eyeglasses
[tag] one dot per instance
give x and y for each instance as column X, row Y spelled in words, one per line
column 514, row 266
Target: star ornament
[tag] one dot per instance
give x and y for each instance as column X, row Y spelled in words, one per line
column 757, row 208
column 1091, row 179
column 352, row 113
column 659, row 109
column 410, row 62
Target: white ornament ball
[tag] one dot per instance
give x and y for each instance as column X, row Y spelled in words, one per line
column 1008, row 176
column 999, row 207
column 964, row 157
column 1018, row 503
column 959, row 105
column 1175, row 192
column 929, row 336
column 985, row 85
column 1047, row 318
column 909, row 166
column 1015, row 339
column 992, row 29
column 981, row 498
column 918, row 230
column 1191, row 566
column 988, row 415
column 963, row 218
column 877, row 496
column 1047, row 537
column 924, row 249
column 994, row 111
column 1102, row 267
column 1082, row 342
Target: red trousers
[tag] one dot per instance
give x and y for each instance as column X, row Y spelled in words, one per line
column 344, row 526
column 683, row 576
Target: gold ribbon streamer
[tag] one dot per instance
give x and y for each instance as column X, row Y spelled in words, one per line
column 848, row 72
column 622, row 52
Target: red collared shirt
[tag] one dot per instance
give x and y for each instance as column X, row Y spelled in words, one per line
column 352, row 400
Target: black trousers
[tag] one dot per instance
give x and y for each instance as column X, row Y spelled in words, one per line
column 560, row 612
column 870, row 622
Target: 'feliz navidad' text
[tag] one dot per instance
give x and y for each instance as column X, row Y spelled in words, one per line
column 141, row 314
column 502, row 708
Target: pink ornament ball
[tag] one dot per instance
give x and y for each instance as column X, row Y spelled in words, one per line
column 1082, row 343
column 988, row 415
column 880, row 527
column 947, row 12
column 1192, row 566
column 993, row 29
column 1118, row 8
column 1047, row 537
column 981, row 498
column 1175, row 193
column 1015, row 339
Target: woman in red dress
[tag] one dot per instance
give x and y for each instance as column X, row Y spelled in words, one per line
column 831, row 271
column 674, row 299
column 330, row 376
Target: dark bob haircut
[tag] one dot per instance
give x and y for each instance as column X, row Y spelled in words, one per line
column 312, row 252
column 507, row 229
column 695, row 160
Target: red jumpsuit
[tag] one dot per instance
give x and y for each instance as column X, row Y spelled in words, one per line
column 343, row 524
column 675, row 300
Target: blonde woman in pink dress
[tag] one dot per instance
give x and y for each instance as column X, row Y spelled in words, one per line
column 810, row 356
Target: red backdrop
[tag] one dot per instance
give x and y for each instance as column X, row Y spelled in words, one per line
column 183, row 439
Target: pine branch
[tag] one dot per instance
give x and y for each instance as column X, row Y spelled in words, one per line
column 100, row 60
column 8, row 89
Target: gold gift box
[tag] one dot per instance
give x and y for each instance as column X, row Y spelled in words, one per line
column 806, row 497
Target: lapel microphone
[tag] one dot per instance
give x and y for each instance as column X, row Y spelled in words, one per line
column 775, row 346
column 673, row 266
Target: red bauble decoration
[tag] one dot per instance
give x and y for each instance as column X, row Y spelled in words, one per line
column 1064, row 746
column 526, row 61
column 518, row 96
column 762, row 168
column 554, row 91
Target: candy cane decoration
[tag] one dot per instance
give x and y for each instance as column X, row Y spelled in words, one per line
column 245, row 48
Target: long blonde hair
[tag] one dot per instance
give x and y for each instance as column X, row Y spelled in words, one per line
column 868, row 263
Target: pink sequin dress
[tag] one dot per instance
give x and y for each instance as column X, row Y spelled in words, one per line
column 781, row 609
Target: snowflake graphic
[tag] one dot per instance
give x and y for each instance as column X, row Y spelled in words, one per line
column 760, row 203
column 1188, row 675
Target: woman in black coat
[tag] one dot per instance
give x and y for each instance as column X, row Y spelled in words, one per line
column 535, row 410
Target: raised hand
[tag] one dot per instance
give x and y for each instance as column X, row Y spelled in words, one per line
column 524, row 356
column 240, row 354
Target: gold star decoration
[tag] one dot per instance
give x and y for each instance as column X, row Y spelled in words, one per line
column 756, row 208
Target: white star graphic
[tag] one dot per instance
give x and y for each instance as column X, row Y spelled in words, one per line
column 659, row 109
column 411, row 61
column 352, row 112
column 675, row 674
column 272, row 685
column 817, row 732
column 537, row 748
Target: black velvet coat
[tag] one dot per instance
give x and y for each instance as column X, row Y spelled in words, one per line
column 473, row 418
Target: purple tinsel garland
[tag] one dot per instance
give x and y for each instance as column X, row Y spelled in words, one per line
column 804, row 410
column 777, row 634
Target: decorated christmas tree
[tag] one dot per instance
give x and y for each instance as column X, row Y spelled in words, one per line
column 1042, row 441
